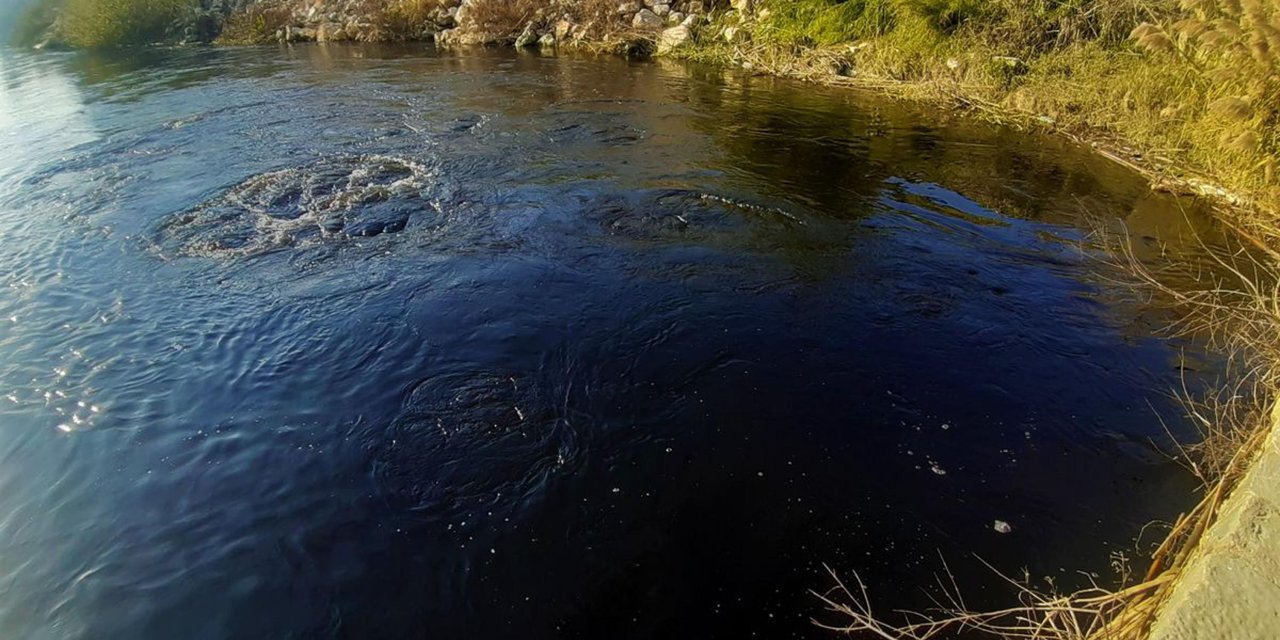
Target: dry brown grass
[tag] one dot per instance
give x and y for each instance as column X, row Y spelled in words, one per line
column 1046, row 25
column 602, row 28
column 1096, row 613
column 503, row 17
column 1233, row 49
column 1235, row 307
column 259, row 23
column 403, row 19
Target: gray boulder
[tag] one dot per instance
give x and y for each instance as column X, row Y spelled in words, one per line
column 528, row 37
column 674, row 37
column 646, row 19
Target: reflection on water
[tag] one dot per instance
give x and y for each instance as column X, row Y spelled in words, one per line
column 374, row 342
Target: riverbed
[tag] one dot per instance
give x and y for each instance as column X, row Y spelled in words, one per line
column 374, row 342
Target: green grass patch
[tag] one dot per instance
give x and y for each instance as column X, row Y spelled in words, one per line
column 826, row 22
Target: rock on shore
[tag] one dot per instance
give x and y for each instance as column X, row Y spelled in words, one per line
column 662, row 24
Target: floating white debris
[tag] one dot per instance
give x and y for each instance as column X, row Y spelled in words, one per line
column 1002, row 527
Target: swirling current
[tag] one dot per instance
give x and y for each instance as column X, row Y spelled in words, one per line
column 370, row 342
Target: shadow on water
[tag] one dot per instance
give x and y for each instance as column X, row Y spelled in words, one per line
column 379, row 342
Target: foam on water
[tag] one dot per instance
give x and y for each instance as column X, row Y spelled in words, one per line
column 501, row 435
column 324, row 201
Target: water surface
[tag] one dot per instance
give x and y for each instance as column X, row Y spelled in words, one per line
column 373, row 343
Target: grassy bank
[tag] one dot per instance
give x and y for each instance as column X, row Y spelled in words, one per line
column 1187, row 91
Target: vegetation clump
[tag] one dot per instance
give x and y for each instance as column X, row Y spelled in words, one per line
column 92, row 24
column 405, row 19
column 258, row 24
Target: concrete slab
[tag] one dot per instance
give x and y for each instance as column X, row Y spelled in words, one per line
column 1230, row 589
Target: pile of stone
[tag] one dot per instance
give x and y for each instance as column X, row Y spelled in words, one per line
column 349, row 20
column 637, row 25
column 664, row 24
column 668, row 23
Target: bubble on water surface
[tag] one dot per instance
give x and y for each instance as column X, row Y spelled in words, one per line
column 330, row 200
column 460, row 439
column 666, row 214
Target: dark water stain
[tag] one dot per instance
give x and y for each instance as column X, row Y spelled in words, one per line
column 374, row 342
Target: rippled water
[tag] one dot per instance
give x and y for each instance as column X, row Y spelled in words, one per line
column 367, row 342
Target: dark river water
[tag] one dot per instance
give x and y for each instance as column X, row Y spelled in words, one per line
column 384, row 343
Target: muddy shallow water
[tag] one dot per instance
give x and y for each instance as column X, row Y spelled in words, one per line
column 376, row 342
